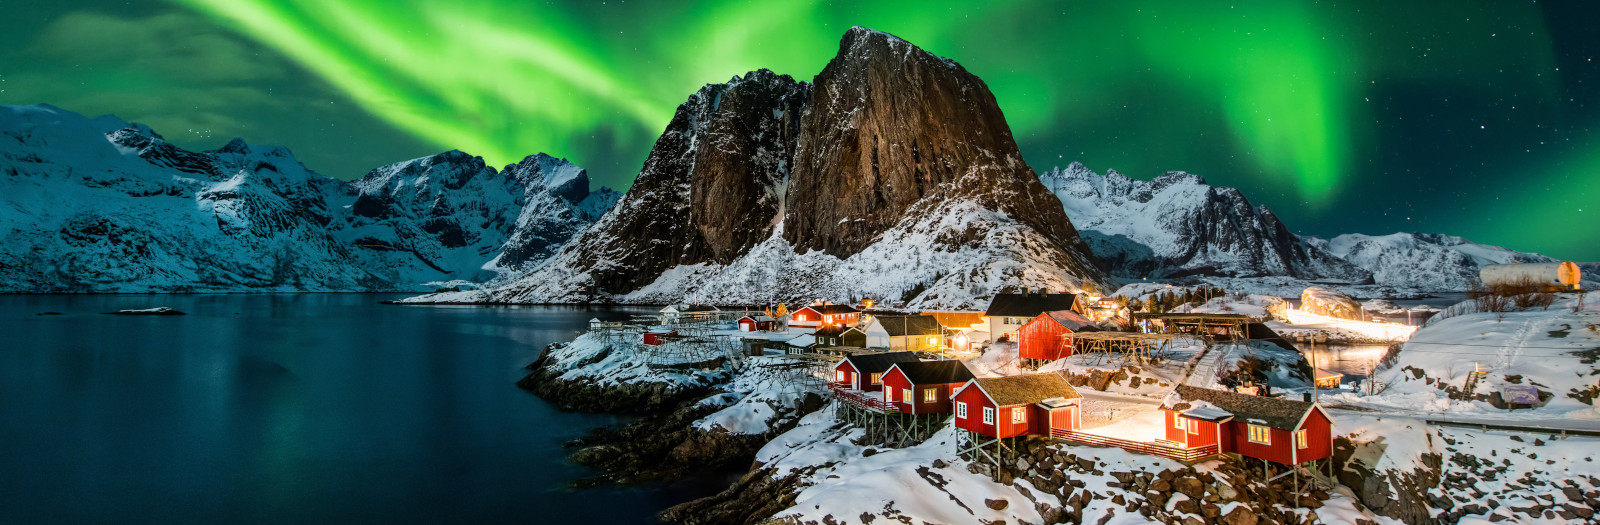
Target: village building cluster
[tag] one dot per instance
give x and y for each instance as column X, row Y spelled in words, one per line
column 903, row 375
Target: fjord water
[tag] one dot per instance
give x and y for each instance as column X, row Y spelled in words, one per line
column 304, row 408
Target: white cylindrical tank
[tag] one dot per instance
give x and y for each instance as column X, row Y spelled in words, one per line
column 1562, row 274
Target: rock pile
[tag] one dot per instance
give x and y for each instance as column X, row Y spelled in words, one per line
column 1222, row 492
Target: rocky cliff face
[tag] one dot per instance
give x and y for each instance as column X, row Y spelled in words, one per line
column 893, row 176
column 103, row 205
column 890, row 127
column 1176, row 225
column 711, row 188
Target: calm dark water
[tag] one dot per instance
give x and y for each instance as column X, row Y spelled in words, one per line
column 307, row 408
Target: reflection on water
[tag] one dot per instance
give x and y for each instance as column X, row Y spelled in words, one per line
column 1354, row 361
column 308, row 408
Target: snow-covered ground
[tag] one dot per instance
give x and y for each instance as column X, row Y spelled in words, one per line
column 1554, row 350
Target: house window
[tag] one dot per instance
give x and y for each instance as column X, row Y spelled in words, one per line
column 905, row 396
column 1019, row 415
column 843, row 376
column 1177, row 421
column 961, row 409
column 1300, row 439
column 988, row 415
column 1260, row 434
column 877, row 379
column 930, row 395
column 1194, row 426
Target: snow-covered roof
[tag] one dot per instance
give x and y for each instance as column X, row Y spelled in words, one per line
column 804, row 340
column 1207, row 413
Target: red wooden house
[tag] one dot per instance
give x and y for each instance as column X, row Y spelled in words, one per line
column 824, row 314
column 1267, row 428
column 1004, row 407
column 757, row 323
column 924, row 387
column 660, row 337
column 864, row 372
column 1041, row 337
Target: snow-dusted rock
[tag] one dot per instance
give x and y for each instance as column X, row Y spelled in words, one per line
column 1331, row 303
column 103, row 205
column 1422, row 261
column 1176, row 225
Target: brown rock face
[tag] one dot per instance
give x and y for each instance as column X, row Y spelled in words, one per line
column 708, row 190
column 889, row 125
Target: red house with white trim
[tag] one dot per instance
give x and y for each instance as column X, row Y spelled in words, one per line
column 1272, row 429
column 757, row 323
column 924, row 387
column 824, row 314
column 864, row 372
column 1021, row 405
column 1041, row 337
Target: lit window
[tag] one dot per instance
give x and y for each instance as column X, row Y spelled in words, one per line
column 1177, row 422
column 1300, row 439
column 1019, row 415
column 988, row 415
column 961, row 409
column 843, row 376
column 877, row 379
column 930, row 395
column 905, row 395
column 1260, row 434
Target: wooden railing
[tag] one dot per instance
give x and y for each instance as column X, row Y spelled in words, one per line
column 1178, row 453
column 867, row 400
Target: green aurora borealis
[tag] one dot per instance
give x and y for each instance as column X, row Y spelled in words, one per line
column 1374, row 117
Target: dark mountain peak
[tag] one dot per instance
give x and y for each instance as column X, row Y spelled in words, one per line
column 236, row 146
column 889, row 125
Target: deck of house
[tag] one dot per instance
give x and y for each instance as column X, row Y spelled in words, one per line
column 866, row 400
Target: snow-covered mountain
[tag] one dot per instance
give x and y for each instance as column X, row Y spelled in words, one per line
column 103, row 205
column 1423, row 261
column 1176, row 225
column 894, row 176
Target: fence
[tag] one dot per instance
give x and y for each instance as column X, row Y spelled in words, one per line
column 1178, row 453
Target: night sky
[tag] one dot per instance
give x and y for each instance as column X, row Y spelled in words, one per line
column 1470, row 118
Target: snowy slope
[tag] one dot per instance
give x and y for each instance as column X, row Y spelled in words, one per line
column 1176, row 225
column 1425, row 261
column 103, row 205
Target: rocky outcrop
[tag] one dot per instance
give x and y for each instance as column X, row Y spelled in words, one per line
column 1176, row 225
column 710, row 189
column 754, row 499
column 894, row 176
column 1332, row 303
column 890, row 126
column 1183, row 495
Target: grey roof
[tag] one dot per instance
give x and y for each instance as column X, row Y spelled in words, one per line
column 1072, row 321
column 826, row 309
column 935, row 372
column 1276, row 412
column 879, row 362
column 835, row 330
column 910, row 325
column 1028, row 304
column 1028, row 388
